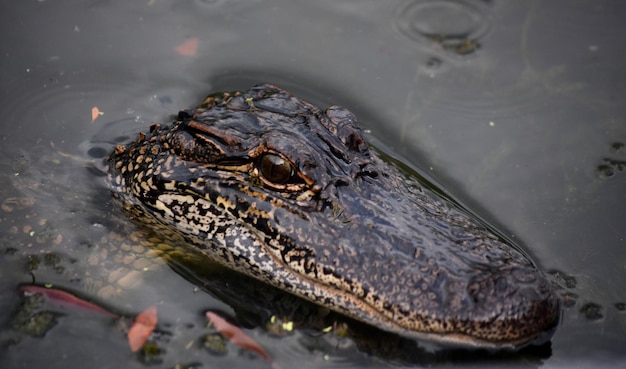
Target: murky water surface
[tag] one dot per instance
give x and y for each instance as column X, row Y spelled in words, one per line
column 516, row 108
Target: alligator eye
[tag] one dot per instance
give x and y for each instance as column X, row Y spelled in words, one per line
column 275, row 169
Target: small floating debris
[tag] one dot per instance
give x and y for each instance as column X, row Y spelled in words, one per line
column 95, row 113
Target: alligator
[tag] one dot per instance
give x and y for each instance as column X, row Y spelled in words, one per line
column 273, row 187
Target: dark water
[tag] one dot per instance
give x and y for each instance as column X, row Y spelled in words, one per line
column 515, row 107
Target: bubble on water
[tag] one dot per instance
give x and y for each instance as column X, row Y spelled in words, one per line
column 612, row 163
column 433, row 63
column 165, row 100
column 592, row 311
column 605, row 171
column 617, row 147
column 454, row 27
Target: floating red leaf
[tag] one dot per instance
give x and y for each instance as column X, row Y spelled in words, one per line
column 59, row 297
column 189, row 47
column 236, row 336
column 142, row 328
column 95, row 113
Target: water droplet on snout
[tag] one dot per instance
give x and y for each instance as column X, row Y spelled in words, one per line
column 563, row 279
column 568, row 299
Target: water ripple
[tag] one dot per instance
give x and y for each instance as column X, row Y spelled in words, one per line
column 453, row 28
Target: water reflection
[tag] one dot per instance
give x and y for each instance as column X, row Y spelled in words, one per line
column 547, row 74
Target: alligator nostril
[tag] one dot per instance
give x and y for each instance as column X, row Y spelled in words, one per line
column 98, row 152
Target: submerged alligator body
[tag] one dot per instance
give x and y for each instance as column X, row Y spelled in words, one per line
column 275, row 188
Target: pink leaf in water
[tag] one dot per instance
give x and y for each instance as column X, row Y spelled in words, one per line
column 61, row 297
column 189, row 47
column 95, row 113
column 142, row 328
column 236, row 336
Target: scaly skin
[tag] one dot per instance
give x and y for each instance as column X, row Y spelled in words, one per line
column 275, row 188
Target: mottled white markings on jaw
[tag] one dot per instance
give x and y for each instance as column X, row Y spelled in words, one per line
column 168, row 202
column 238, row 248
column 170, row 199
column 170, row 186
column 160, row 205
